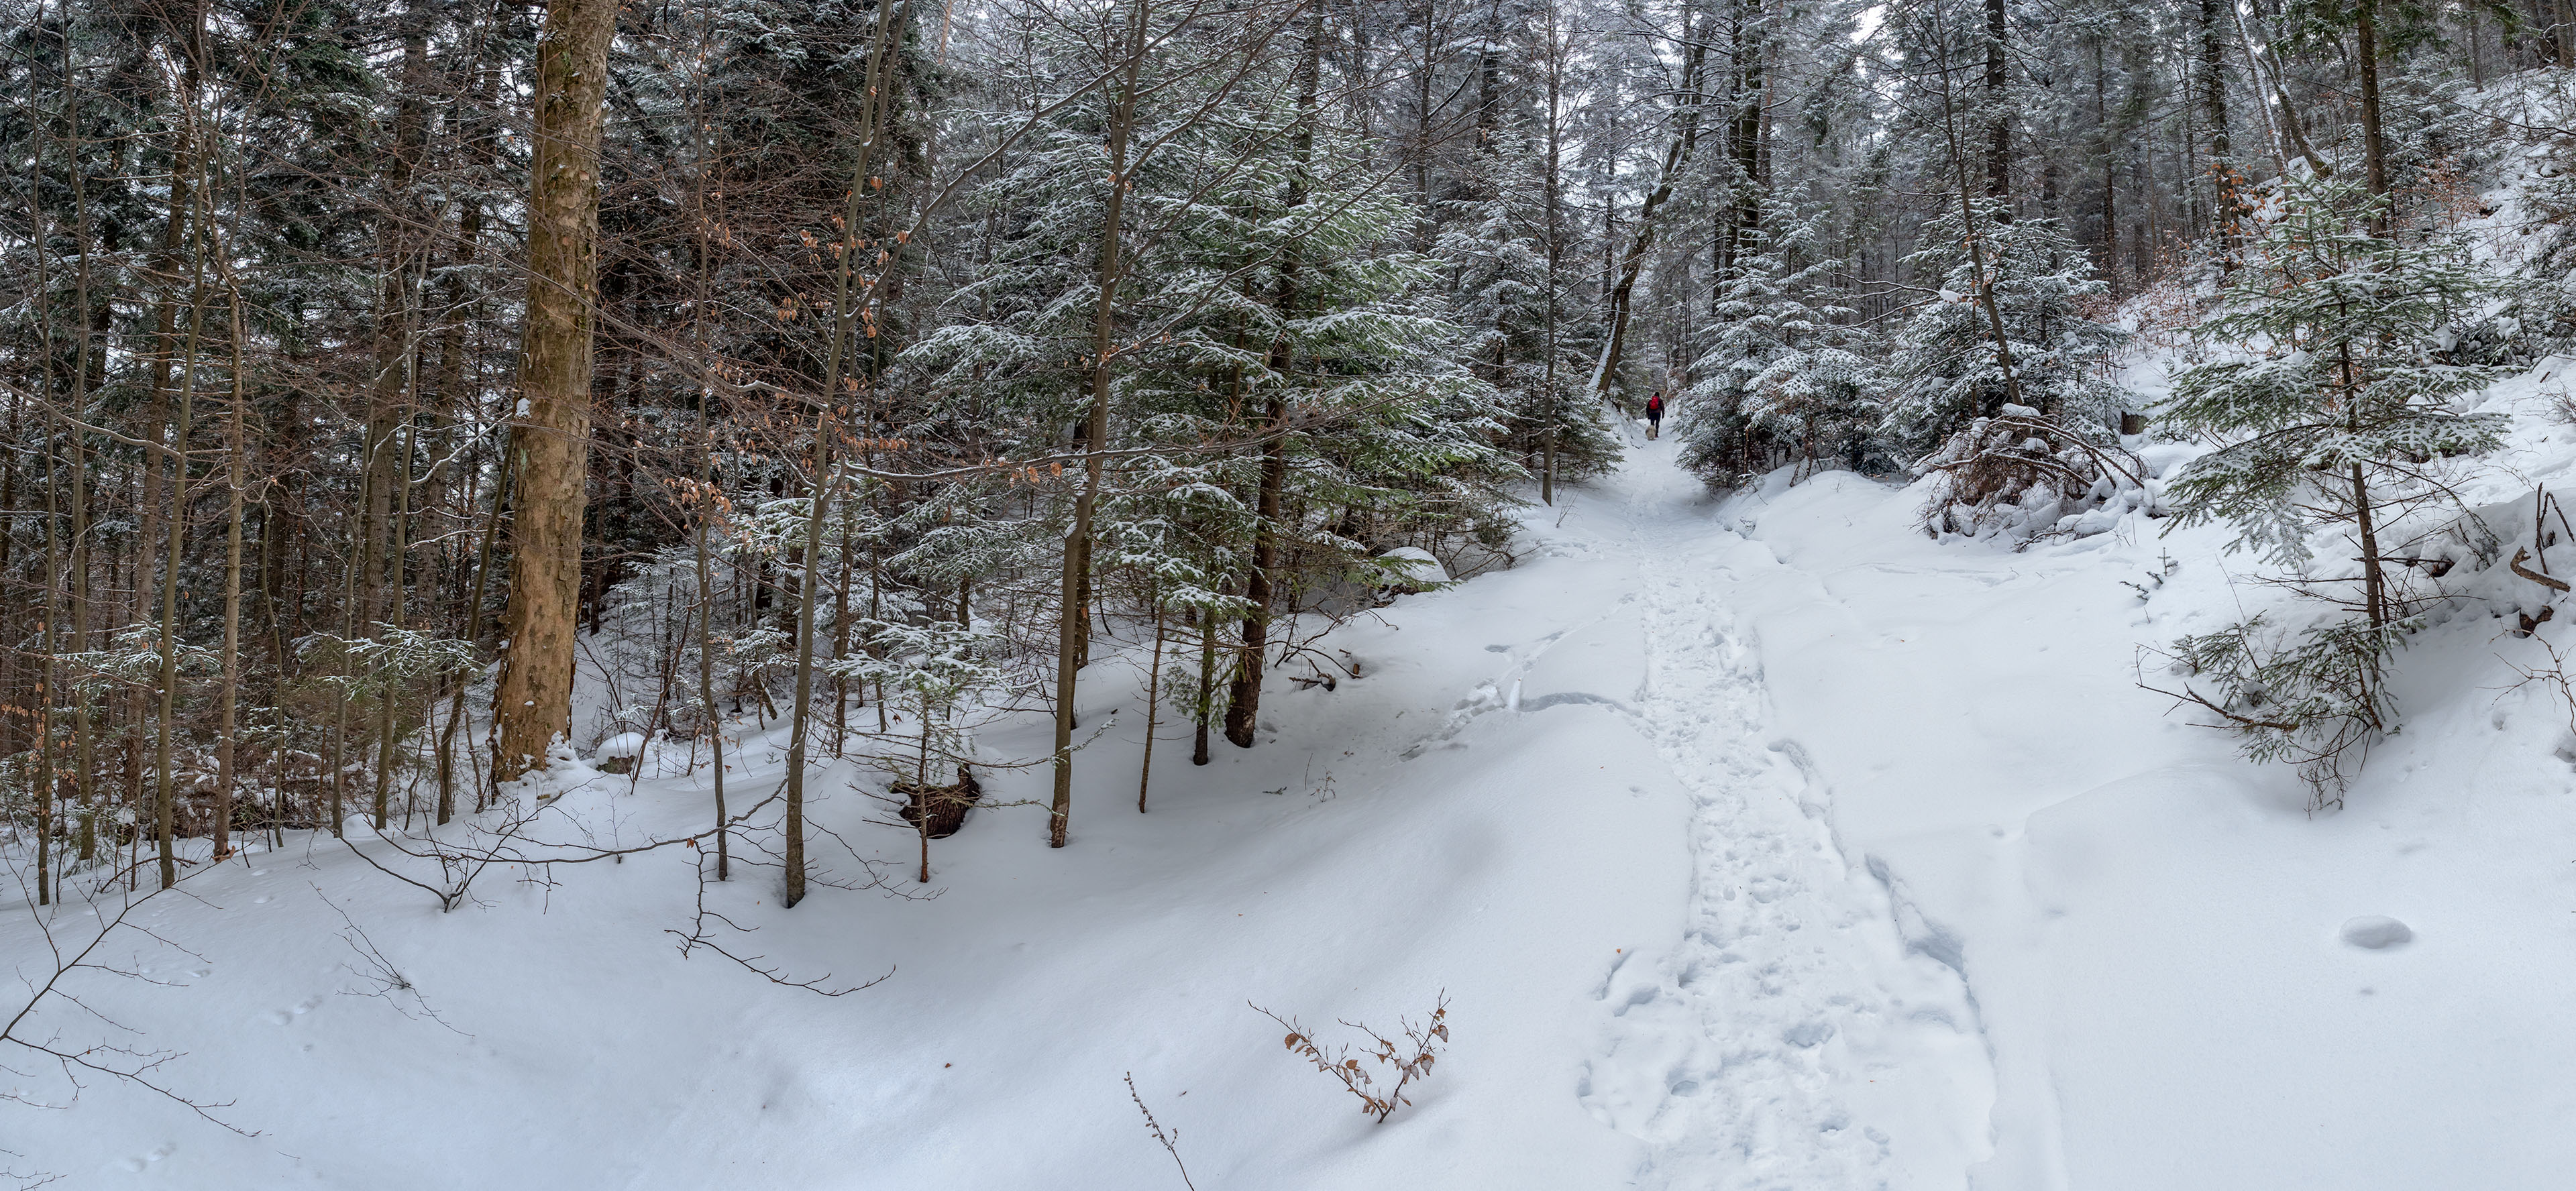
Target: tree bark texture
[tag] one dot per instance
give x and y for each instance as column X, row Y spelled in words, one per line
column 551, row 435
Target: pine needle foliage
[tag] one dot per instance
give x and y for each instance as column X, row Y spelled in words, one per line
column 2338, row 413
column 2346, row 397
column 1784, row 376
column 1947, row 368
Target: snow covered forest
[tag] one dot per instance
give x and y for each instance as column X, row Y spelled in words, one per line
column 852, row 593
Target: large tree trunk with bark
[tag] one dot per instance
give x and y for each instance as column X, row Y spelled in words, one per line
column 551, row 435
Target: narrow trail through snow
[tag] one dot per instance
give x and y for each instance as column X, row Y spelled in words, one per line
column 1794, row 1037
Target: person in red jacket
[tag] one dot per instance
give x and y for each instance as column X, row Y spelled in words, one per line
column 1655, row 415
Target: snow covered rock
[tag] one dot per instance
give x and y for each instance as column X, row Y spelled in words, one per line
column 1410, row 569
column 618, row 753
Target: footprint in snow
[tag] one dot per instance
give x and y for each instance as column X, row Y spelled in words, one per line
column 155, row 1154
column 279, row 1017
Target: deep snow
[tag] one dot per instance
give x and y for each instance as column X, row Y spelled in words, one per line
column 1759, row 843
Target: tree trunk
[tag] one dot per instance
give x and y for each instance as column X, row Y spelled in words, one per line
column 1677, row 157
column 1243, row 700
column 709, row 507
column 1153, row 705
column 41, row 784
column 841, row 641
column 1968, row 223
column 473, row 634
column 1207, row 684
column 2224, row 179
column 236, row 482
column 1998, row 107
column 1555, row 248
column 1751, row 102
column 2374, row 149
column 84, row 748
column 836, row 369
column 707, row 643
column 551, row 433
column 388, row 703
column 2373, row 584
column 1072, row 621
column 164, row 810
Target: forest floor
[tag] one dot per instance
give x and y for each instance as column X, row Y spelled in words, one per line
column 1757, row 842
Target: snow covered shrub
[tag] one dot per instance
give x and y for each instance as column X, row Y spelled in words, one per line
column 1946, row 366
column 941, row 674
column 2336, row 414
column 2021, row 475
column 1400, row 1064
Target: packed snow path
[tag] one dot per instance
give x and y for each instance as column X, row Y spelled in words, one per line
column 1797, row 1035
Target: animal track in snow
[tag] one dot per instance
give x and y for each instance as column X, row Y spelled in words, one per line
column 279, row 1017
column 143, row 1161
column 1502, row 693
column 1543, row 702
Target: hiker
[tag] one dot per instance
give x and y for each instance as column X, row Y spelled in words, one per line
column 1655, row 415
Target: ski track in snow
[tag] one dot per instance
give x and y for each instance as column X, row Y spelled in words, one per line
column 1792, row 1038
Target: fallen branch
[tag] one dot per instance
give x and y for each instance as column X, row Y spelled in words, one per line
column 2522, row 555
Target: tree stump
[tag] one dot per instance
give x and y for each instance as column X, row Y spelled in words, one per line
column 945, row 806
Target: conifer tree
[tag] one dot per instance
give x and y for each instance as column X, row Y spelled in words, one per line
column 1946, row 364
column 2349, row 401
column 2337, row 419
column 1493, row 253
column 1783, row 376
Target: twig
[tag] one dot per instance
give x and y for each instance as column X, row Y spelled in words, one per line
column 1408, row 1063
column 122, row 1063
column 389, row 978
column 696, row 937
column 1171, row 1141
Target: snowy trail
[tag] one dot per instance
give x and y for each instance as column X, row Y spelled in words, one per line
column 1793, row 1037
column 1698, row 814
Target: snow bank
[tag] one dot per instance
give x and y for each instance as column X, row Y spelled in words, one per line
column 2159, row 939
column 1512, row 861
column 1412, row 569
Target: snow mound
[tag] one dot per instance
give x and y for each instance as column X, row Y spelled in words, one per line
column 1412, row 569
column 622, row 745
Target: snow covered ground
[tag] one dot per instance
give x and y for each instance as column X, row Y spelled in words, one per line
column 1759, row 843
column 2154, row 930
